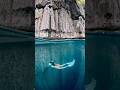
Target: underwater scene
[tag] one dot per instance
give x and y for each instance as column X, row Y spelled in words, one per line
column 59, row 64
column 102, row 64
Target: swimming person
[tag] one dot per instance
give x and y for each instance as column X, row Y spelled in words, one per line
column 58, row 66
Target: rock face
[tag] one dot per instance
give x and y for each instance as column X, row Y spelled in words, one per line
column 102, row 14
column 58, row 19
column 17, row 14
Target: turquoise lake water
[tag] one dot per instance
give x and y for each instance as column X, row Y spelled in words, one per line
column 60, row 51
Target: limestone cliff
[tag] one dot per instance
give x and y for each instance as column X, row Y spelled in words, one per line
column 53, row 19
column 59, row 19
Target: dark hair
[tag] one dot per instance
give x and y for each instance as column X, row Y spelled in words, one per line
column 52, row 62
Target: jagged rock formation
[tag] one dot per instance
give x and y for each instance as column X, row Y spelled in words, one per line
column 102, row 14
column 20, row 15
column 17, row 14
column 59, row 19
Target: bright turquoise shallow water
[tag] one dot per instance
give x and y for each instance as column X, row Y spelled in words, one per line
column 61, row 51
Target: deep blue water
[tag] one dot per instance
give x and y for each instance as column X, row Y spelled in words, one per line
column 61, row 51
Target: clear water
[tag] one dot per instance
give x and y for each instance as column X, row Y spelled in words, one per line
column 61, row 51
